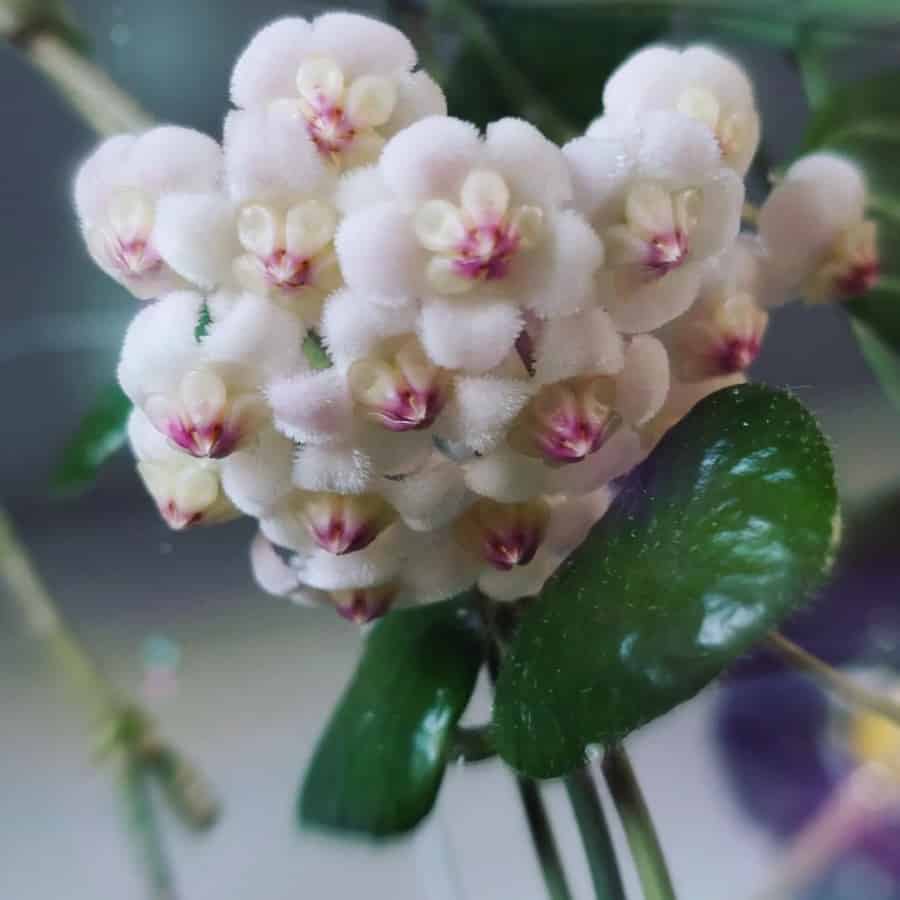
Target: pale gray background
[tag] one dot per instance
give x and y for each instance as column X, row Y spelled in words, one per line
column 258, row 677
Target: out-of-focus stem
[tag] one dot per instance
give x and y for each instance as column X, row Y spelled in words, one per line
column 846, row 688
column 542, row 837
column 645, row 849
column 592, row 826
column 31, row 26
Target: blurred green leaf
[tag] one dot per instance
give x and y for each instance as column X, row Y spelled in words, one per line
column 862, row 121
column 727, row 527
column 545, row 62
column 101, row 433
column 204, row 320
column 378, row 766
column 315, row 352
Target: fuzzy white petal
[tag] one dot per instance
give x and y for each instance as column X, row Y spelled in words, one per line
column 429, row 499
column 254, row 332
column 507, row 476
column 600, row 169
column 258, row 476
column 471, row 335
column 159, row 345
column 643, row 384
column 677, row 150
column 312, row 407
column 354, row 322
column 576, row 255
column 576, row 345
column 360, row 188
column 629, row 87
column 98, row 173
column 533, row 166
column 361, row 45
column 267, row 68
column 430, row 158
column 652, row 305
column 339, row 470
column 418, row 96
column 621, row 453
column 379, row 254
column 484, row 407
column 195, row 235
column 269, row 157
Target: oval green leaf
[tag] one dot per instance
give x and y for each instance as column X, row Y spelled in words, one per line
column 379, row 764
column 101, row 433
column 726, row 527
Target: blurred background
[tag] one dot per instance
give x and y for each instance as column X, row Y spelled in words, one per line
column 245, row 683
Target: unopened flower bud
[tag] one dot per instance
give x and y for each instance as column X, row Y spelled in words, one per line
column 345, row 523
column 362, row 605
column 722, row 339
column 207, row 417
column 504, row 535
column 401, row 389
column 568, row 420
column 851, row 266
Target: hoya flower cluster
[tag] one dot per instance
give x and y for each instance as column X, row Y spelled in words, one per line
column 500, row 327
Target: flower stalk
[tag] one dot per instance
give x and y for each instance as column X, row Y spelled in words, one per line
column 846, row 688
column 645, row 849
column 36, row 29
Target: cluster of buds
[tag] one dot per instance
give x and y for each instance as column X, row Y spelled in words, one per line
column 502, row 327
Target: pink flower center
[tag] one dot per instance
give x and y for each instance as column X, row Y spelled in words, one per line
column 861, row 278
column 214, row 441
column 486, row 252
column 737, row 354
column 329, row 127
column 135, row 257
column 286, row 271
column 411, row 410
column 666, row 252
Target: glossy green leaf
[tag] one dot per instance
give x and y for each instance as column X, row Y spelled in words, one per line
column 728, row 526
column 862, row 120
column 378, row 766
column 101, row 433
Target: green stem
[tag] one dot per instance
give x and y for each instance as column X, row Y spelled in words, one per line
column 645, row 849
column 142, row 820
column 846, row 688
column 472, row 744
column 35, row 28
column 594, row 831
column 542, row 837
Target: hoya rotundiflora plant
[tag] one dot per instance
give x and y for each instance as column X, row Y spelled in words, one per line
column 484, row 390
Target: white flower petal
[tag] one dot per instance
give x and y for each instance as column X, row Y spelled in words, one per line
column 485, row 407
column 643, row 384
column 269, row 157
column 379, row 253
column 360, row 188
column 418, row 96
column 533, row 166
column 619, row 455
column 635, row 81
column 339, row 470
column 429, row 499
column 99, row 174
column 312, row 407
column 587, row 343
column 361, row 45
column 195, row 235
column 267, row 68
column 471, row 335
column 430, row 158
column 649, row 307
column 258, row 476
column 677, row 150
column 507, row 476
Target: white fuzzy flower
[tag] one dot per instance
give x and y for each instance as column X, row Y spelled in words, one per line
column 722, row 333
column 657, row 191
column 477, row 229
column 270, row 231
column 187, row 491
column 699, row 82
column 117, row 192
column 814, row 229
column 200, row 381
column 578, row 433
column 348, row 79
